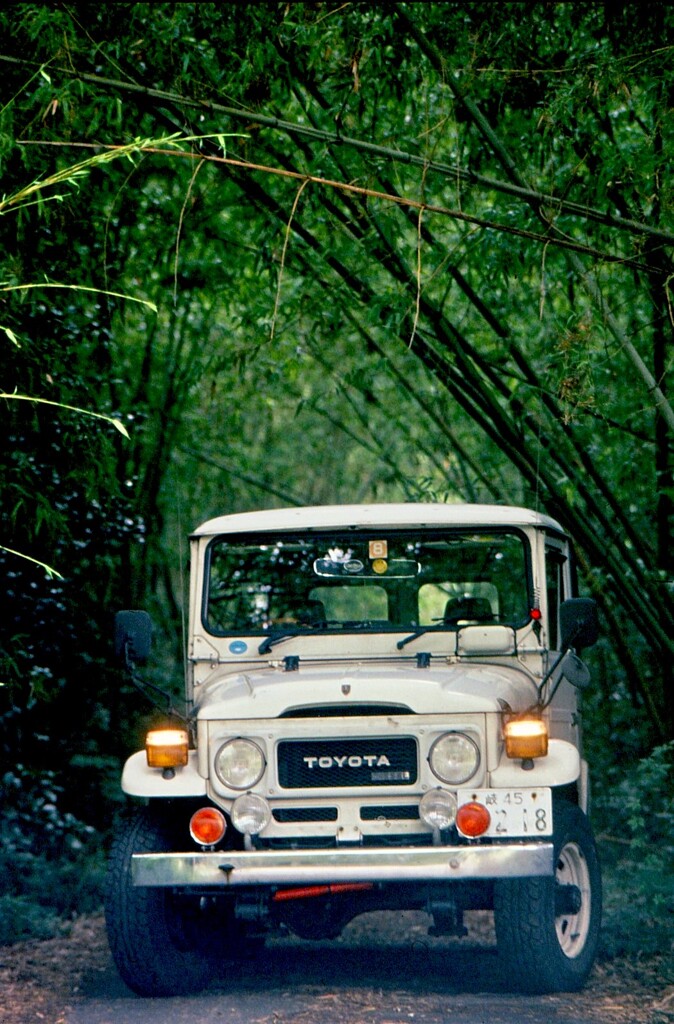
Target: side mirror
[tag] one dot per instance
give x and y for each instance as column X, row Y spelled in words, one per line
column 574, row 670
column 579, row 622
column 133, row 636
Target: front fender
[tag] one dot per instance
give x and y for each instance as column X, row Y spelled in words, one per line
column 138, row 779
column 559, row 768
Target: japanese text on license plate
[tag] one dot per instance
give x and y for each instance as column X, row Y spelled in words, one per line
column 513, row 812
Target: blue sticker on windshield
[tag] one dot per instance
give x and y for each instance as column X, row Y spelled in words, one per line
column 238, row 647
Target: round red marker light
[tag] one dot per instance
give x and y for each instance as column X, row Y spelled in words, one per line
column 472, row 820
column 536, row 614
column 207, row 826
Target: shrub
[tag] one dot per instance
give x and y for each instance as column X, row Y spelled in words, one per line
column 51, row 863
column 636, row 830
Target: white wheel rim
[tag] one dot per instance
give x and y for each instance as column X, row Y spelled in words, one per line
column 572, row 929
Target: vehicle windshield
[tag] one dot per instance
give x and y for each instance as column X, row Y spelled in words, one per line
column 338, row 580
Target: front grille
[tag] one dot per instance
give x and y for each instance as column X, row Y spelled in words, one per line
column 291, row 815
column 402, row 812
column 319, row 764
column 347, row 710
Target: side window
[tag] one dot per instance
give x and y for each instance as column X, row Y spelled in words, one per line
column 554, row 582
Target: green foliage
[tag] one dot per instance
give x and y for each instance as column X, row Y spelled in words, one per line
column 637, row 818
column 51, row 863
column 647, row 804
column 414, row 354
column 22, row 917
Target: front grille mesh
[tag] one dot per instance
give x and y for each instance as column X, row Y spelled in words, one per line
column 404, row 812
column 293, row 815
column 319, row 764
column 346, row 710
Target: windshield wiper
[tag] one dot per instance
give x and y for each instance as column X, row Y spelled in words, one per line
column 271, row 641
column 413, row 636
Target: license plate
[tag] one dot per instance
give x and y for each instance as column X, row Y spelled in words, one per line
column 520, row 813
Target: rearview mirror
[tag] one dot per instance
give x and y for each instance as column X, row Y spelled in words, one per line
column 579, row 622
column 393, row 568
column 133, row 636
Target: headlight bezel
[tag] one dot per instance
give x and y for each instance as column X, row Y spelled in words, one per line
column 441, row 771
column 242, row 782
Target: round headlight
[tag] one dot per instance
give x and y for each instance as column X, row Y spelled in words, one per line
column 250, row 813
column 454, row 758
column 438, row 809
column 240, row 763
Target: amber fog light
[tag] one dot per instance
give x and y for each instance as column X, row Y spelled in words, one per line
column 207, row 826
column 473, row 820
column 526, row 738
column 167, row 748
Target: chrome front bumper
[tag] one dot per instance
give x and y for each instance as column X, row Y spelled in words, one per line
column 298, row 867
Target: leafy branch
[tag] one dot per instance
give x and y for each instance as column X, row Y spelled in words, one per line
column 71, row 176
column 52, row 573
column 73, row 287
column 546, row 239
column 464, row 175
column 117, row 424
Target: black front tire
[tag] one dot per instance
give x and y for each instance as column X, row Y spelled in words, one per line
column 547, row 929
column 156, row 937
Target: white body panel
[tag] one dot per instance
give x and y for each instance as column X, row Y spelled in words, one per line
column 344, row 686
column 140, row 780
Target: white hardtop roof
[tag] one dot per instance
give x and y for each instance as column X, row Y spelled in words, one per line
column 412, row 514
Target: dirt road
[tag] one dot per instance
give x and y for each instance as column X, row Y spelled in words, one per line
column 384, row 970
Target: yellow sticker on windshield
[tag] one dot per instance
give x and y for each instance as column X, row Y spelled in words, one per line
column 380, row 565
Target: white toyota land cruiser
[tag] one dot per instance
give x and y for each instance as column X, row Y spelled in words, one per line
column 382, row 713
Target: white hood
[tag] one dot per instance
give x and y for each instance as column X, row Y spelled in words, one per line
column 454, row 689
